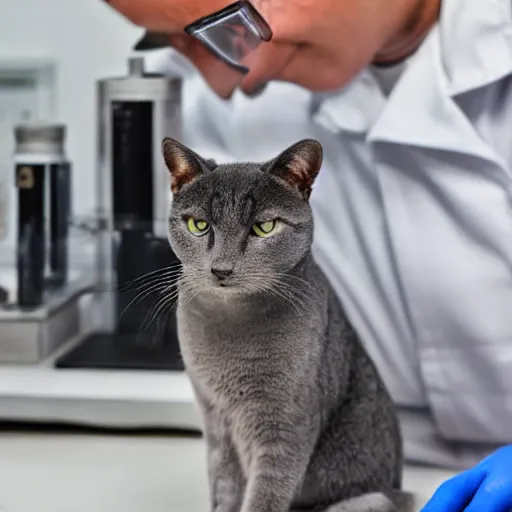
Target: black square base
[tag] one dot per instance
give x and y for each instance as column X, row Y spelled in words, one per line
column 3, row 295
column 119, row 352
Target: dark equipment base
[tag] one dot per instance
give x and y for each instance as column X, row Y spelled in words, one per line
column 119, row 352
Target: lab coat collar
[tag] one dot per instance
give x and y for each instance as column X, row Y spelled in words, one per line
column 476, row 39
column 470, row 47
column 422, row 113
column 354, row 108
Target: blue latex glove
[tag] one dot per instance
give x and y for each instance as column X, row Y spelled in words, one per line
column 485, row 488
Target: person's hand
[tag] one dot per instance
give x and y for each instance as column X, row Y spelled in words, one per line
column 485, row 488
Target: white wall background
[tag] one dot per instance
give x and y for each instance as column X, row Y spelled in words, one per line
column 88, row 41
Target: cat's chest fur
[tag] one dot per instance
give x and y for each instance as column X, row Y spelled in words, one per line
column 248, row 377
column 234, row 361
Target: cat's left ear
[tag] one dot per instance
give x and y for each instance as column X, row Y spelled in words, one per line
column 184, row 165
column 299, row 165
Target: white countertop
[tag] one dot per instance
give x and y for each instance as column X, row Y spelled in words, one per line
column 99, row 398
column 70, row 472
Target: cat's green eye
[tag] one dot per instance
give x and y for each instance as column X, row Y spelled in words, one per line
column 264, row 229
column 198, row 227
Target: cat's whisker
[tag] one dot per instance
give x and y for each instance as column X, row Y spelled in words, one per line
column 299, row 280
column 279, row 297
column 141, row 296
column 293, row 301
column 294, row 295
column 159, row 306
column 149, row 314
column 184, row 284
column 159, row 287
column 149, row 282
column 154, row 275
column 172, row 283
column 278, row 287
column 284, row 276
column 293, row 282
column 295, row 290
column 167, row 281
column 300, row 300
column 190, row 288
column 287, row 300
column 171, row 303
column 273, row 289
column 174, row 305
column 157, row 272
column 254, row 287
column 146, row 286
column 283, row 287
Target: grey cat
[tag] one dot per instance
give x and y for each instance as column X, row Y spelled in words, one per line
column 295, row 414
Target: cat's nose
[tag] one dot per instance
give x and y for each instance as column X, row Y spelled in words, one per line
column 221, row 273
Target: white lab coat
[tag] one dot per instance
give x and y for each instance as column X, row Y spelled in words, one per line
column 413, row 217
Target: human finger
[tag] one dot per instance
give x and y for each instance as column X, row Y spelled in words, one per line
column 220, row 77
column 265, row 64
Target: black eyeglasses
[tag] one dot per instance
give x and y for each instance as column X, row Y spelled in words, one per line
column 232, row 33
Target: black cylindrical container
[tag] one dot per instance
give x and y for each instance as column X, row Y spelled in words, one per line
column 30, row 180
column 132, row 164
column 43, row 178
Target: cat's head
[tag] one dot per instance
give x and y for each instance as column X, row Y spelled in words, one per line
column 241, row 227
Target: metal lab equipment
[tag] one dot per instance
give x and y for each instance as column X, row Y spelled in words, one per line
column 135, row 113
column 44, row 313
column 43, row 180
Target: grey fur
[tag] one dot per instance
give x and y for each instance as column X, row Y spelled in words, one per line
column 296, row 416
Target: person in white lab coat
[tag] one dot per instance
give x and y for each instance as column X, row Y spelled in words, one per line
column 412, row 101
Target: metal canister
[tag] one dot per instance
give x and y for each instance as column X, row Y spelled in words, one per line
column 43, row 179
column 135, row 113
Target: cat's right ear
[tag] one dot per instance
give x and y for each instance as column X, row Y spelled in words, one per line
column 184, row 165
column 299, row 165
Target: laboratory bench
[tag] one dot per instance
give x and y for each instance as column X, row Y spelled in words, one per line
column 84, row 471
